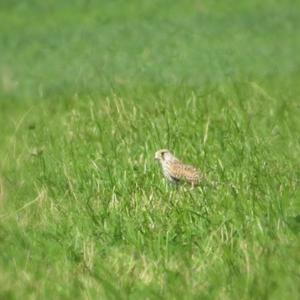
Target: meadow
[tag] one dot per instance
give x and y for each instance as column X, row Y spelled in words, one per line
column 89, row 90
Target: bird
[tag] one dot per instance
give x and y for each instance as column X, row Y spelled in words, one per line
column 176, row 171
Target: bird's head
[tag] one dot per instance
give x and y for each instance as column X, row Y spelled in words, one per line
column 164, row 155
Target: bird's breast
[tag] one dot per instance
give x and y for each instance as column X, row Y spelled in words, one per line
column 167, row 173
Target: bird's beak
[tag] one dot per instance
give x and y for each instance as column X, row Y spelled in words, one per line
column 156, row 156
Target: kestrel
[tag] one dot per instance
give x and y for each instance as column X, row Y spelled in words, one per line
column 175, row 171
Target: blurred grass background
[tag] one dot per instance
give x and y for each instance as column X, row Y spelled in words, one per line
column 89, row 90
column 52, row 48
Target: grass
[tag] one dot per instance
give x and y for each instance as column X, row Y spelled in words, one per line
column 90, row 90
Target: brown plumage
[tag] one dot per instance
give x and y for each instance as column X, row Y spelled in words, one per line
column 176, row 171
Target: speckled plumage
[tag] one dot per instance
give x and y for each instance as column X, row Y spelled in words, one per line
column 176, row 171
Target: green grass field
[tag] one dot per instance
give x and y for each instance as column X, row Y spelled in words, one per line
column 89, row 90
